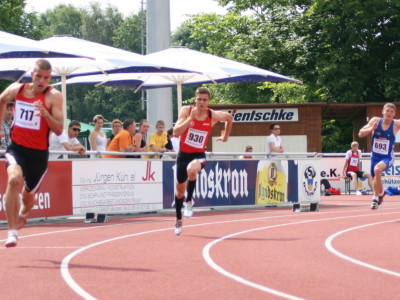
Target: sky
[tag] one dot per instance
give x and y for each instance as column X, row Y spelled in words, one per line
column 178, row 8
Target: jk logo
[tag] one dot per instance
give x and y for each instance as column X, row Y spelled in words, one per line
column 149, row 174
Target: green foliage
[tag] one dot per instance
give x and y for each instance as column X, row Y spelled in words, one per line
column 62, row 20
column 285, row 92
column 12, row 12
column 128, row 34
column 337, row 135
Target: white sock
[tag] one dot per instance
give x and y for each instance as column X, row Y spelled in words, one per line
column 13, row 232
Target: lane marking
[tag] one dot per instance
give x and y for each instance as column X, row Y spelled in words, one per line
column 84, row 294
column 207, row 256
column 328, row 245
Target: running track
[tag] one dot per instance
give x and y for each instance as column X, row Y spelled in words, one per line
column 344, row 251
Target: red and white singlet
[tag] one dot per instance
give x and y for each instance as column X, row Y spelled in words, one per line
column 29, row 130
column 353, row 160
column 195, row 137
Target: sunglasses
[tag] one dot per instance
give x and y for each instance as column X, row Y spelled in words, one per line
column 76, row 129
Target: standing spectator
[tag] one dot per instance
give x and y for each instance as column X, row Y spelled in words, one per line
column 123, row 141
column 7, row 124
column 141, row 137
column 352, row 169
column 38, row 110
column 274, row 143
column 116, row 127
column 67, row 141
column 383, row 132
column 98, row 138
column 248, row 149
column 194, row 126
column 158, row 139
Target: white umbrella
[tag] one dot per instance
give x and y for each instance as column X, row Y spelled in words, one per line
column 15, row 46
column 206, row 68
column 107, row 60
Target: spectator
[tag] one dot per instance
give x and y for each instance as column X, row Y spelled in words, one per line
column 98, row 138
column 66, row 141
column 7, row 123
column 141, row 137
column 352, row 170
column 173, row 142
column 116, row 127
column 248, row 149
column 123, row 141
column 158, row 139
column 274, row 143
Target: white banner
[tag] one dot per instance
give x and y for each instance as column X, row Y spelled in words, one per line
column 265, row 115
column 116, row 186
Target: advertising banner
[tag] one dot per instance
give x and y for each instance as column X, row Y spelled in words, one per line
column 220, row 183
column 54, row 195
column 272, row 182
column 309, row 179
column 117, row 186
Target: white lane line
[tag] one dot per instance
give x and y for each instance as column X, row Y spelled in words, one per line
column 328, row 245
column 207, row 257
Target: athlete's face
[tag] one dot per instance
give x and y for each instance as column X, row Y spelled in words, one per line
column 388, row 113
column 202, row 101
column 40, row 79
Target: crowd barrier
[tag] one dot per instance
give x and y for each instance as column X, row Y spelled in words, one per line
column 127, row 185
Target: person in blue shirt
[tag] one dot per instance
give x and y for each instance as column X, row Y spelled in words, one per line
column 383, row 132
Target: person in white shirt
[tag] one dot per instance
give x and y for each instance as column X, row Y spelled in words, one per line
column 67, row 141
column 98, row 138
column 274, row 142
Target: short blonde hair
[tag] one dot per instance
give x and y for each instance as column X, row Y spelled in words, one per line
column 354, row 144
column 391, row 105
column 160, row 123
column 98, row 117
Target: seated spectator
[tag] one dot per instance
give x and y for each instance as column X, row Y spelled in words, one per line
column 123, row 141
column 248, row 149
column 67, row 141
column 158, row 139
column 352, row 168
column 98, row 138
column 141, row 137
column 116, row 127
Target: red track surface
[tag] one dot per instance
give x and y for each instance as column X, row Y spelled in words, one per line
column 344, row 251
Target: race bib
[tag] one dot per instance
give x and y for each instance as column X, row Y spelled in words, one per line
column 354, row 161
column 25, row 115
column 381, row 146
column 196, row 138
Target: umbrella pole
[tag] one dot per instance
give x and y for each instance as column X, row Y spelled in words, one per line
column 64, row 94
column 179, row 92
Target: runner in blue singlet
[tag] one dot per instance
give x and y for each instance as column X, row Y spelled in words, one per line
column 383, row 132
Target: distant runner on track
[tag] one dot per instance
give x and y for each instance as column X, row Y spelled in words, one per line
column 38, row 110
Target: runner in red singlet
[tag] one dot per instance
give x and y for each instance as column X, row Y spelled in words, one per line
column 38, row 110
column 194, row 127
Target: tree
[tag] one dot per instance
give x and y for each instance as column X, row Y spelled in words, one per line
column 62, row 20
column 100, row 25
